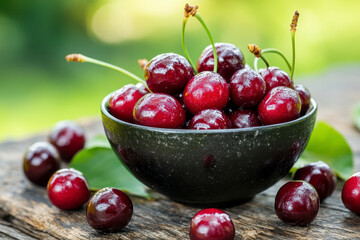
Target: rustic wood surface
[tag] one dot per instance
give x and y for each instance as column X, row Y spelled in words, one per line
column 26, row 213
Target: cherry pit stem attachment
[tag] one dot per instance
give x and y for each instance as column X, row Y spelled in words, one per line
column 81, row 58
column 293, row 26
column 192, row 11
column 253, row 48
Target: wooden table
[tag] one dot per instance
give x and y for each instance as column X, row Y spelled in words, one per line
column 26, row 213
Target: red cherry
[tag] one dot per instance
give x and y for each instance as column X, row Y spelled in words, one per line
column 305, row 97
column 68, row 189
column 122, row 102
column 68, row 138
column 297, row 203
column 280, row 105
column 206, row 90
column 210, row 119
column 351, row 193
column 275, row 77
column 247, row 88
column 244, row 118
column 230, row 59
column 168, row 73
column 159, row 110
column 320, row 175
column 212, row 224
column 109, row 210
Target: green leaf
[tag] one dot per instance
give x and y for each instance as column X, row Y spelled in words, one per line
column 102, row 169
column 357, row 116
column 98, row 141
column 328, row 145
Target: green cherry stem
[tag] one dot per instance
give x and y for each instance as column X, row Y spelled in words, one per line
column 256, row 62
column 192, row 11
column 183, row 44
column 81, row 58
column 293, row 26
column 254, row 49
column 274, row 50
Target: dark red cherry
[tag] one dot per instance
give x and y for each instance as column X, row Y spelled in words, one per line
column 320, row 175
column 159, row 110
column 211, row 224
column 109, row 210
column 210, row 119
column 244, row 118
column 297, row 203
column 168, row 73
column 305, row 97
column 68, row 189
column 247, row 88
column 41, row 160
column 351, row 193
column 206, row 90
column 68, row 138
column 281, row 104
column 275, row 77
column 121, row 104
column 230, row 59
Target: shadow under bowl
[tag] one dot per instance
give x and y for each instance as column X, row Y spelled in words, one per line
column 209, row 167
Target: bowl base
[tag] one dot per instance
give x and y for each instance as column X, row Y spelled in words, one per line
column 214, row 204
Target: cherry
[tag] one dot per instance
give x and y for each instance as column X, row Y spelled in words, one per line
column 68, row 189
column 210, row 119
column 297, row 203
column 244, row 118
column 41, row 160
column 305, row 97
column 275, row 77
column 168, row 73
column 159, row 110
column 68, row 138
column 206, row 90
column 280, row 105
column 122, row 102
column 351, row 193
column 211, row 224
column 230, row 59
column 320, row 175
column 247, row 88
column 109, row 210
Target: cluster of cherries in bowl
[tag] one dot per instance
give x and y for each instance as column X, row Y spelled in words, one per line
column 234, row 97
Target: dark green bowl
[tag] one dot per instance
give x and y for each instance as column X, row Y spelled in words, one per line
column 209, row 167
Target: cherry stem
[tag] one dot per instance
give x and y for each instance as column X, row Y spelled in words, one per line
column 293, row 54
column 274, row 50
column 256, row 62
column 183, row 44
column 82, row 58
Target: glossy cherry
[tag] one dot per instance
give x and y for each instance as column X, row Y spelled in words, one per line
column 230, row 59
column 206, row 90
column 305, row 97
column 122, row 102
column 159, row 110
column 320, row 175
column 109, row 210
column 40, row 161
column 280, row 105
column 68, row 189
column 210, row 119
column 247, row 88
column 275, row 77
column 297, row 203
column 168, row 73
column 68, row 138
column 212, row 224
column 244, row 118
column 351, row 193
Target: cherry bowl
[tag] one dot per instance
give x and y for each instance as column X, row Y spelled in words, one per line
column 209, row 167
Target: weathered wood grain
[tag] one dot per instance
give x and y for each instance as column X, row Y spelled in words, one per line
column 25, row 211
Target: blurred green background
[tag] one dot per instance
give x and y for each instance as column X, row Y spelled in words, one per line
column 38, row 88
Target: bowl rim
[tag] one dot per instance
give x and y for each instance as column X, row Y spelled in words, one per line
column 105, row 111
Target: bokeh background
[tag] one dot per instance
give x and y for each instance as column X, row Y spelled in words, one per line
column 38, row 88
